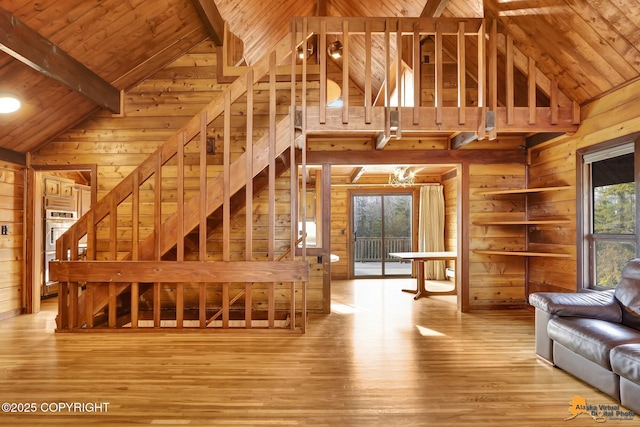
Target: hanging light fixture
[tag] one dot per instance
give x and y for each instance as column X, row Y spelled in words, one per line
column 402, row 177
column 335, row 49
column 9, row 103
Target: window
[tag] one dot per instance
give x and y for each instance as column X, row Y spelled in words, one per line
column 610, row 206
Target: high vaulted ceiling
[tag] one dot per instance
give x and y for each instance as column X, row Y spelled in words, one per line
column 590, row 47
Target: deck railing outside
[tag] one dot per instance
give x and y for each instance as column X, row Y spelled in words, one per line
column 371, row 248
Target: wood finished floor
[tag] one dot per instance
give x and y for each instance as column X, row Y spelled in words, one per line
column 380, row 359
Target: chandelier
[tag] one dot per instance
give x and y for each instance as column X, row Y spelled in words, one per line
column 402, row 177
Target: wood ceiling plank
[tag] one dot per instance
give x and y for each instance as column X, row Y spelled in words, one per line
column 29, row 47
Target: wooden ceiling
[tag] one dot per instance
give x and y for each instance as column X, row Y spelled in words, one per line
column 590, row 47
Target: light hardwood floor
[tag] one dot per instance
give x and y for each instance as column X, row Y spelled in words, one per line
column 380, row 359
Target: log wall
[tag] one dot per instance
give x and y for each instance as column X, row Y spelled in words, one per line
column 612, row 116
column 496, row 280
column 12, row 244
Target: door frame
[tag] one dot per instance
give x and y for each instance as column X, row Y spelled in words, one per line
column 34, row 262
column 382, row 190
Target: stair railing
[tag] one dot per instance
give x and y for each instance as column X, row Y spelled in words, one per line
column 151, row 211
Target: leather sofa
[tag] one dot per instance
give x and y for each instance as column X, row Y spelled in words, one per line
column 595, row 335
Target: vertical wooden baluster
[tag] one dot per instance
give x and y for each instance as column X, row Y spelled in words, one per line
column 345, row 71
column 322, row 55
column 249, row 186
column 368, row 97
column 293, row 176
column 399, row 82
column 417, row 72
column 439, row 76
column 531, row 80
column 462, row 75
column 481, row 82
column 510, row 89
column 553, row 99
column 113, row 254
column 135, row 241
column 202, row 231
column 91, row 255
column 226, row 212
column 493, row 76
column 387, row 78
column 180, row 230
column 157, row 208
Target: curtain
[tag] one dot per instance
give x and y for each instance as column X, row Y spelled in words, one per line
column 431, row 229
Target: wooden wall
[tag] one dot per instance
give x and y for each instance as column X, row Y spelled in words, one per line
column 12, row 258
column 496, row 280
column 612, row 116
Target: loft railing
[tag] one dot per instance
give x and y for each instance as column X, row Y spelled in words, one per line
column 400, row 75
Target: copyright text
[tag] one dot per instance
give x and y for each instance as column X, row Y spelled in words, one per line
column 55, row 407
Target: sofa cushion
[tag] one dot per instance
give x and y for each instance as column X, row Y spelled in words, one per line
column 595, row 305
column 593, row 339
column 627, row 293
column 625, row 361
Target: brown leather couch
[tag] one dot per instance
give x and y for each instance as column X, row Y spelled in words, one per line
column 595, row 335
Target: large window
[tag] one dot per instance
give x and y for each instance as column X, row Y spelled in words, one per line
column 610, row 226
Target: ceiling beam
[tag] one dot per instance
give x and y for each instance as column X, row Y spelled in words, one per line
column 433, row 8
column 27, row 46
column 13, row 156
column 539, row 138
column 462, row 139
column 415, row 157
column 211, row 18
column 356, row 174
column 381, row 140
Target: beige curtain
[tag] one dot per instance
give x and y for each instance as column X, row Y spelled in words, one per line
column 431, row 229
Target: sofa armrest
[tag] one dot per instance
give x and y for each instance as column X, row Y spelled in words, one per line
column 595, row 305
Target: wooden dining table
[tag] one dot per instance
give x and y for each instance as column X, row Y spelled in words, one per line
column 419, row 258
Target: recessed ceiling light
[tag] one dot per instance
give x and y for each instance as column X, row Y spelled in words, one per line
column 9, row 103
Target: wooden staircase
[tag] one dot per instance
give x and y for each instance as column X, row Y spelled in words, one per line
column 175, row 238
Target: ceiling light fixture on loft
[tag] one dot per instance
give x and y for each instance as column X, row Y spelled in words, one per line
column 9, row 103
column 402, row 177
column 309, row 51
column 335, row 49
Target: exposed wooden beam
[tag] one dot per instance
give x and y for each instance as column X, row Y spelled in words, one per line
column 539, row 138
column 210, row 16
column 416, row 157
column 356, row 174
column 27, row 46
column 462, row 139
column 433, row 8
column 13, row 156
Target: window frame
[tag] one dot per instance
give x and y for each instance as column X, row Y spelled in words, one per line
column 586, row 239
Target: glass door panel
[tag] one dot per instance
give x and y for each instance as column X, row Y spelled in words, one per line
column 381, row 224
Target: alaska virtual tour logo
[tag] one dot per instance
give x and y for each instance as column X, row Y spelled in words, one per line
column 600, row 413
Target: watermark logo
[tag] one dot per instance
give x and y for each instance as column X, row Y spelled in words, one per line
column 600, row 413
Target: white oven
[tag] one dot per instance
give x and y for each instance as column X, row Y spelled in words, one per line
column 56, row 223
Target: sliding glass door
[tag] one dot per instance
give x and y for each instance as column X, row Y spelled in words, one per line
column 382, row 223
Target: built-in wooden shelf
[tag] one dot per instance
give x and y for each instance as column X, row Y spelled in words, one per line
column 525, row 222
column 521, row 253
column 523, row 190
